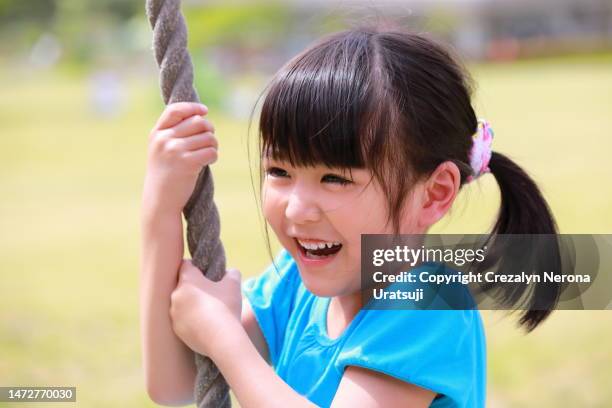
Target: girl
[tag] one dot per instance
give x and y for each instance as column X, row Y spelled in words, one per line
column 367, row 131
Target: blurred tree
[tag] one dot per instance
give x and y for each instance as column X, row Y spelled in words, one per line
column 211, row 85
column 18, row 10
column 121, row 10
column 250, row 24
column 45, row 10
column 83, row 27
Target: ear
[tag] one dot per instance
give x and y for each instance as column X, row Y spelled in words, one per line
column 439, row 193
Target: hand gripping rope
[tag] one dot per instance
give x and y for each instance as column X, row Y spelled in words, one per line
column 176, row 80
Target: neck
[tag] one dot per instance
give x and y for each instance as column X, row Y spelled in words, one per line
column 342, row 310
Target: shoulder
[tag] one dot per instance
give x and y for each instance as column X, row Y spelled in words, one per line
column 412, row 331
column 440, row 350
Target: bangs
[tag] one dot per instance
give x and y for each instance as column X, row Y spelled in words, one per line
column 316, row 108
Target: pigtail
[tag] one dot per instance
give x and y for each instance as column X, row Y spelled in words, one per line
column 524, row 210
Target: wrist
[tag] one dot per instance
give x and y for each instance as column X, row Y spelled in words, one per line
column 155, row 202
column 227, row 344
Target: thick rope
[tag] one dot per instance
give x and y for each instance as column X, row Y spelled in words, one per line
column 203, row 226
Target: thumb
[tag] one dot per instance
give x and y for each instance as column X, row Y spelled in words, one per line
column 233, row 274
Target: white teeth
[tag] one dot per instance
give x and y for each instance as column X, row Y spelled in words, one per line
column 320, row 245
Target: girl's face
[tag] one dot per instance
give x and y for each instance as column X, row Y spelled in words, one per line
column 308, row 205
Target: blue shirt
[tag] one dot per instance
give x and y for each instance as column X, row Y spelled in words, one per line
column 441, row 350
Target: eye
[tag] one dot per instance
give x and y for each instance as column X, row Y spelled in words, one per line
column 276, row 172
column 332, row 178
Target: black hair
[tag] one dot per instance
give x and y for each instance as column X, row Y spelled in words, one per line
column 399, row 104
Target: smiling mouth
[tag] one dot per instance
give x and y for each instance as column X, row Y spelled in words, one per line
column 318, row 253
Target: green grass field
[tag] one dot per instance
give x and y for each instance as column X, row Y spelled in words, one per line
column 71, row 183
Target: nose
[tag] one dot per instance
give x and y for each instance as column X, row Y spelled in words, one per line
column 302, row 206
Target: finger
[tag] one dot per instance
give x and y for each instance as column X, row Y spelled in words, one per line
column 204, row 157
column 187, row 144
column 176, row 112
column 193, row 125
column 199, row 141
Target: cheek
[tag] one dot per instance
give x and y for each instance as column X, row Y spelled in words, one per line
column 271, row 205
column 372, row 217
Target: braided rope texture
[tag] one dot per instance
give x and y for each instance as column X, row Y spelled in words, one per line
column 203, row 224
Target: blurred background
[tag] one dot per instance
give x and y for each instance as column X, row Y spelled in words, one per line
column 79, row 94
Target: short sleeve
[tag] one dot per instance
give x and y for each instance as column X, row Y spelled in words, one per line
column 441, row 350
column 272, row 296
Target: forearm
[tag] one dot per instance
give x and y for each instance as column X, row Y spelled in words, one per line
column 168, row 364
column 162, row 249
column 252, row 380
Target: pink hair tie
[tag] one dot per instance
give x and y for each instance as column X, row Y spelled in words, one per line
column 480, row 155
